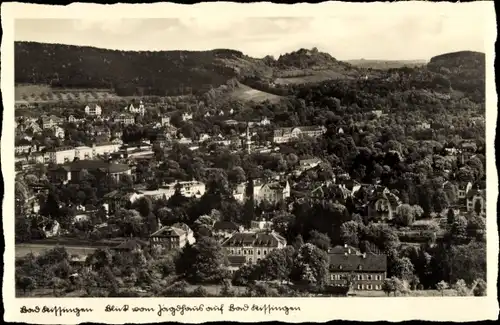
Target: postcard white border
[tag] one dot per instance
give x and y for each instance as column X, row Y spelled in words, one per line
column 312, row 309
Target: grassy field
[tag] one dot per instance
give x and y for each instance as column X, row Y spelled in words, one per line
column 316, row 76
column 386, row 64
column 246, row 93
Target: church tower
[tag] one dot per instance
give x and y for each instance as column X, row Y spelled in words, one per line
column 248, row 140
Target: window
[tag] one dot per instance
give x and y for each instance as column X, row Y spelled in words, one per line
column 258, row 252
column 362, row 287
column 360, row 267
column 332, row 277
column 359, row 276
column 265, row 252
column 244, row 252
column 359, row 286
column 369, row 277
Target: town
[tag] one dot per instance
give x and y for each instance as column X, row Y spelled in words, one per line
column 369, row 186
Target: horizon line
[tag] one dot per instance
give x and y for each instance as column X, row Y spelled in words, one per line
column 215, row 49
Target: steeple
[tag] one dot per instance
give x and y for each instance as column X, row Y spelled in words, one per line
column 248, row 139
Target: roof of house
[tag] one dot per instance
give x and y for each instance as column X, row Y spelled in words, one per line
column 182, row 226
column 353, row 262
column 236, row 261
column 285, row 131
column 262, row 239
column 225, row 225
column 339, row 249
column 168, row 231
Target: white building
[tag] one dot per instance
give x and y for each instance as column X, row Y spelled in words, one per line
column 187, row 116
column 253, row 245
column 62, row 155
column 93, row 110
column 283, row 135
column 136, row 110
column 273, row 191
column 165, row 120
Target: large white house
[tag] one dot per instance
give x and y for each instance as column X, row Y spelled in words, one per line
column 93, row 110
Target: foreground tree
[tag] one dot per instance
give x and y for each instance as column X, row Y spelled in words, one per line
column 202, row 262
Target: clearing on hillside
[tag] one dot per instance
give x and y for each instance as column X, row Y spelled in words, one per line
column 246, row 93
column 315, row 76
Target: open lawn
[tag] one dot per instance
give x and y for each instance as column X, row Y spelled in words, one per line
column 316, row 76
column 248, row 94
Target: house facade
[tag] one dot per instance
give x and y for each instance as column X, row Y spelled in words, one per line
column 93, row 110
column 170, row 237
column 362, row 271
column 383, row 204
column 273, row 192
column 254, row 245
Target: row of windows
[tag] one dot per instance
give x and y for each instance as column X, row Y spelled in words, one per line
column 369, row 287
column 246, row 252
column 358, row 277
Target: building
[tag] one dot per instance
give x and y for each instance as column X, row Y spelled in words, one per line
column 225, row 229
column 382, row 204
column 84, row 153
column 273, row 191
column 61, row 155
column 73, row 171
column 463, row 189
column 117, row 200
column 254, row 245
column 307, row 164
column 165, row 120
column 348, row 266
column 187, row 116
column 124, row 119
column 170, row 237
column 105, row 148
column 93, row 110
column 476, row 201
column 262, row 224
column 59, row 132
column 49, row 122
column 136, row 110
column 284, row 135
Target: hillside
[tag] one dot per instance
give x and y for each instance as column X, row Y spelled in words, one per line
column 162, row 73
column 386, row 64
column 154, row 73
column 466, row 71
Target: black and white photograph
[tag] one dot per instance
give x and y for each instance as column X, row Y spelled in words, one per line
column 342, row 155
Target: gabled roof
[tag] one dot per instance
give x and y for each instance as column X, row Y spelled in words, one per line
column 352, row 262
column 226, row 225
column 262, row 239
column 236, row 261
column 168, row 231
column 339, row 249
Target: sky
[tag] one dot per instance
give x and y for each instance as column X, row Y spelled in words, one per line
column 381, row 36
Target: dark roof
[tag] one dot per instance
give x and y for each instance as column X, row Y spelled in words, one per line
column 95, row 165
column 226, row 225
column 168, row 231
column 354, row 262
column 339, row 249
column 237, row 261
column 262, row 239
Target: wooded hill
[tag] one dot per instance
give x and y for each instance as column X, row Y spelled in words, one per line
column 163, row 73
